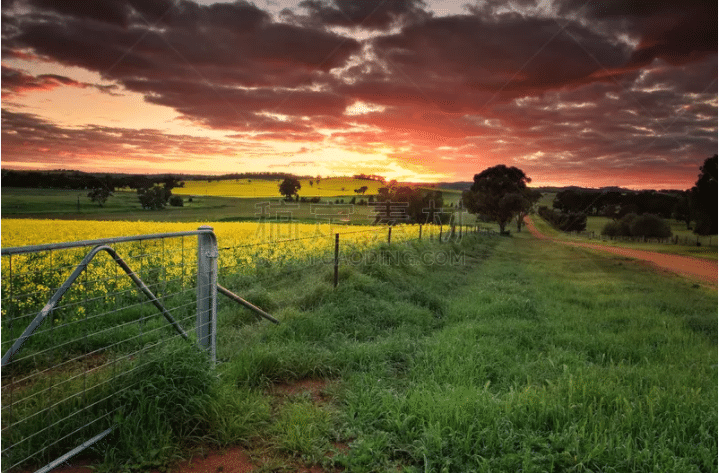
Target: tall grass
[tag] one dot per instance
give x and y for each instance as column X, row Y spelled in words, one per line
column 551, row 360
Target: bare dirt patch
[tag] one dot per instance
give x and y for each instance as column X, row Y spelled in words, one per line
column 315, row 387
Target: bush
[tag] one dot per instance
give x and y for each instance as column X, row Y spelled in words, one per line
column 647, row 225
column 612, row 229
column 176, row 201
column 564, row 221
column 650, row 226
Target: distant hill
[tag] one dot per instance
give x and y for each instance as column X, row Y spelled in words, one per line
column 457, row 186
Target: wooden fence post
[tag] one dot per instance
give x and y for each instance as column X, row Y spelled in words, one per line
column 337, row 258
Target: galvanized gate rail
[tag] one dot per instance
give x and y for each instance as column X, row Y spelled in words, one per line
column 207, row 255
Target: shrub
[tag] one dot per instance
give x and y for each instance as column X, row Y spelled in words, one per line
column 176, row 201
column 649, row 225
column 565, row 221
column 612, row 229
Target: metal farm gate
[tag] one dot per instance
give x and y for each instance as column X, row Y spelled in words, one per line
column 77, row 319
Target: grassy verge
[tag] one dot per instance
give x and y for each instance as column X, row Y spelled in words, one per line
column 535, row 359
column 704, row 251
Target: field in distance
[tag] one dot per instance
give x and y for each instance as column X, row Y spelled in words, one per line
column 217, row 205
column 324, row 187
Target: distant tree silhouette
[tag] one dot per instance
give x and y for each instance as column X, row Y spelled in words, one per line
column 682, row 210
column 153, row 198
column 100, row 195
column 289, row 187
column 497, row 193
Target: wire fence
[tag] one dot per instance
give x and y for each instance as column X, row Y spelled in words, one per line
column 93, row 323
column 100, row 306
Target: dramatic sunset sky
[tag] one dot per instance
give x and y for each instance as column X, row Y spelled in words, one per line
column 574, row 92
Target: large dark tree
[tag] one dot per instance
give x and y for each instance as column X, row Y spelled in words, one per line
column 704, row 198
column 497, row 194
column 289, row 187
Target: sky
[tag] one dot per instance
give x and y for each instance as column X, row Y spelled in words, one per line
column 573, row 92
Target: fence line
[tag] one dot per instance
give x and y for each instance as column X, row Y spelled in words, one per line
column 61, row 380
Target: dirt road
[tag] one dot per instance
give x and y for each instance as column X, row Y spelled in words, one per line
column 696, row 268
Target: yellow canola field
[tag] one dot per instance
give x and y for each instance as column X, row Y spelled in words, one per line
column 23, row 232
column 165, row 264
column 326, row 187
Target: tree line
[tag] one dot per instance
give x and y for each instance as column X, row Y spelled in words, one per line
column 697, row 205
column 78, row 180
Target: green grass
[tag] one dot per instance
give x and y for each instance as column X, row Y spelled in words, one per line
column 537, row 358
column 516, row 355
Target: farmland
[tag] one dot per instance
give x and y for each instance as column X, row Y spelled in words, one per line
column 203, row 201
column 485, row 353
column 325, row 187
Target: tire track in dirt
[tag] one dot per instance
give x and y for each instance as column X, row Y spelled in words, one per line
column 695, row 268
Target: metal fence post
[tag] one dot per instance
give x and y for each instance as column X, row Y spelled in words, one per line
column 420, row 231
column 337, row 258
column 389, row 236
column 207, row 291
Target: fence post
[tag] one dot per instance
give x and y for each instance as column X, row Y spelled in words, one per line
column 440, row 233
column 389, row 235
column 420, row 231
column 337, row 258
column 207, row 291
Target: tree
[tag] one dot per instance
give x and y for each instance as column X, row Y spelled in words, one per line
column 703, row 197
column 361, row 190
column 682, row 210
column 489, row 194
column 410, row 205
column 289, row 187
column 154, row 198
column 100, row 195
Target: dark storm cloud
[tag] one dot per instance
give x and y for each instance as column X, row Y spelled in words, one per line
column 368, row 14
column 16, row 82
column 222, row 42
column 678, row 32
column 510, row 54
